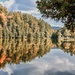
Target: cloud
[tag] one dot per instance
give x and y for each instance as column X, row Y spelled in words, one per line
column 48, row 65
column 7, row 69
column 28, row 3
column 3, row 0
column 54, row 63
column 55, row 66
column 24, row 5
column 8, row 3
column 32, row 12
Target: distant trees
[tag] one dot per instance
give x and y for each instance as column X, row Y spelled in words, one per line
column 64, row 33
column 63, row 10
column 68, row 47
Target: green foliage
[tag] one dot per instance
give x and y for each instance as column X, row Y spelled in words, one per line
column 67, row 47
column 63, row 10
column 16, row 51
column 3, row 9
column 21, row 25
column 65, row 33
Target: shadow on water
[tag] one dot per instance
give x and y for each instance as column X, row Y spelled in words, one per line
column 24, row 50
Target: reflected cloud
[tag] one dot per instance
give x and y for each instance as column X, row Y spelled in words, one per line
column 56, row 62
column 8, row 70
column 53, row 65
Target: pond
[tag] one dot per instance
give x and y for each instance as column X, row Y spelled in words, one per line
column 36, row 57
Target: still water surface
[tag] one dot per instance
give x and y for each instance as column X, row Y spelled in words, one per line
column 41, row 57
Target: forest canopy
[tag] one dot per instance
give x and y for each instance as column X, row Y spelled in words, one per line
column 22, row 25
column 63, row 10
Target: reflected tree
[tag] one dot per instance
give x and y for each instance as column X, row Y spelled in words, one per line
column 67, row 46
column 15, row 50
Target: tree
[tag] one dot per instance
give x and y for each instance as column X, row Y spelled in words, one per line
column 63, row 10
column 20, row 25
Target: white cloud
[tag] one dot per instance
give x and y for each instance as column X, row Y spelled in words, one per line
column 8, row 4
column 2, row 3
column 7, row 69
column 52, row 63
column 33, row 2
column 30, row 12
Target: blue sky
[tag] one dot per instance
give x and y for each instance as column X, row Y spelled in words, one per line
column 27, row 6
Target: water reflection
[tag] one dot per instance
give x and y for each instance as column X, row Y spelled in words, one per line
column 67, row 46
column 16, row 57
column 18, row 50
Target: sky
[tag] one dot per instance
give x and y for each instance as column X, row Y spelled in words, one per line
column 27, row 6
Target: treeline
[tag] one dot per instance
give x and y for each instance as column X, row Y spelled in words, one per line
column 67, row 47
column 21, row 25
column 63, row 32
column 18, row 50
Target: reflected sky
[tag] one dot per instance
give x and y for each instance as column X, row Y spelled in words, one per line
column 56, row 62
column 37, row 57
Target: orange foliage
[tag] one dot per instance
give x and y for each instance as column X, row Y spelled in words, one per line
column 2, row 15
column 3, row 58
column 67, row 45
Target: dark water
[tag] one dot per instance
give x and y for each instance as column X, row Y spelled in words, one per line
column 37, row 57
